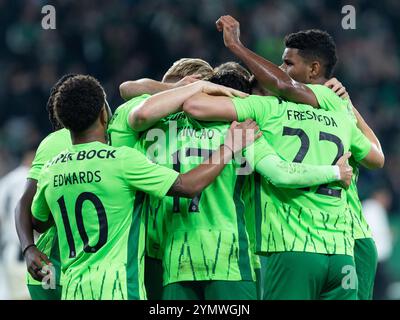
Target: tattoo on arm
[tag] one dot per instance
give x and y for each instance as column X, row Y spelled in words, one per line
column 177, row 187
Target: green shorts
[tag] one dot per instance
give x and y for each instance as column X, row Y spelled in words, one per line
column 211, row 290
column 153, row 278
column 38, row 293
column 366, row 260
column 309, row 276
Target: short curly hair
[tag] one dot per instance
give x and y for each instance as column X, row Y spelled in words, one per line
column 56, row 125
column 78, row 102
column 315, row 44
column 233, row 75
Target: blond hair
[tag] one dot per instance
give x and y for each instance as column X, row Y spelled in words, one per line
column 187, row 67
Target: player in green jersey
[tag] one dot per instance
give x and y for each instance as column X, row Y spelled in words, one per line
column 196, row 267
column 365, row 253
column 293, row 224
column 182, row 72
column 46, row 249
column 89, row 191
column 309, row 58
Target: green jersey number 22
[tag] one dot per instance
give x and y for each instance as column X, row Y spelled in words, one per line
column 305, row 145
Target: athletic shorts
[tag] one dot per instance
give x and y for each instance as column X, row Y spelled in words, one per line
column 309, row 276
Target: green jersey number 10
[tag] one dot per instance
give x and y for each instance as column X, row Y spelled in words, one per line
column 103, row 225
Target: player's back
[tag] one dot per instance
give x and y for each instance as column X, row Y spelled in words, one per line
column 100, row 235
column 206, row 237
column 313, row 219
column 312, row 136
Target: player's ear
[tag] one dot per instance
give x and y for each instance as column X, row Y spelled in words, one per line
column 104, row 116
column 108, row 110
column 315, row 69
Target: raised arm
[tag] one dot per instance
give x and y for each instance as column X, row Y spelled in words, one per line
column 168, row 102
column 193, row 182
column 269, row 75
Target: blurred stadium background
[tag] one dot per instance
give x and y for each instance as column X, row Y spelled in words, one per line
column 120, row 40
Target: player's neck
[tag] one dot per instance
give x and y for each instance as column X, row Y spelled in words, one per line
column 319, row 80
column 88, row 136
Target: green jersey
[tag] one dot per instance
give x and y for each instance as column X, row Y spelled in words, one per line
column 328, row 100
column 52, row 145
column 203, row 238
column 94, row 193
column 312, row 219
column 120, row 134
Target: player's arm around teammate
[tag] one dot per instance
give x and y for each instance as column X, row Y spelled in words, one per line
column 182, row 72
column 340, row 90
column 168, row 102
column 203, row 107
column 86, row 118
column 134, row 88
column 187, row 184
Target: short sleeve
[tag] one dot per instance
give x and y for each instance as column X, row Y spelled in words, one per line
column 40, row 209
column 327, row 99
column 142, row 174
column 133, row 104
column 254, row 107
column 360, row 145
column 38, row 163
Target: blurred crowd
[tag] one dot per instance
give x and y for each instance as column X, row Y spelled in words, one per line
column 117, row 40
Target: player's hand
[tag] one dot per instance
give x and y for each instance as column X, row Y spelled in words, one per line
column 231, row 29
column 346, row 171
column 242, row 134
column 35, row 261
column 219, row 90
column 338, row 88
column 187, row 80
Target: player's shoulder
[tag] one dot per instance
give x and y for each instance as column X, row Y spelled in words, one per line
column 60, row 136
column 328, row 99
column 261, row 99
column 129, row 104
column 120, row 115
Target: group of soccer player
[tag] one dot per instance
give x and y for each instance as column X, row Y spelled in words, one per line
column 179, row 192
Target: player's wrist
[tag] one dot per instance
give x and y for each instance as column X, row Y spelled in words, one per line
column 29, row 246
column 227, row 150
column 336, row 172
column 235, row 46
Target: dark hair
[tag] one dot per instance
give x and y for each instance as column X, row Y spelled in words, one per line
column 233, row 75
column 314, row 44
column 50, row 102
column 78, row 102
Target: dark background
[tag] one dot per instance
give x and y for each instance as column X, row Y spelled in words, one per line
column 120, row 40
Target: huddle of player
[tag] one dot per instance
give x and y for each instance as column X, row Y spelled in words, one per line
column 159, row 201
